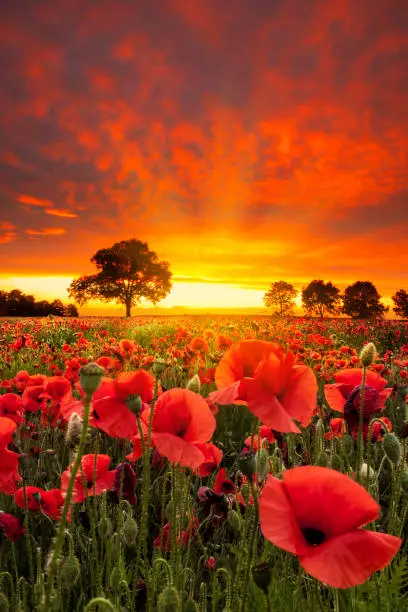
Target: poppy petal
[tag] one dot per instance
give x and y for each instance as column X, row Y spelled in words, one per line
column 354, row 377
column 178, row 450
column 300, row 399
column 277, row 519
column 335, row 397
column 268, row 408
column 350, row 559
column 226, row 396
column 383, row 396
column 327, row 500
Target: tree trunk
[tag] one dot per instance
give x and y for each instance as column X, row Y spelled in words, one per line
column 128, row 309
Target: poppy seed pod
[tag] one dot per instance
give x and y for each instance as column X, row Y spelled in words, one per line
column 104, row 527
column 134, row 403
column 246, row 463
column 159, row 365
column 169, row 600
column 392, row 448
column 90, row 377
column 233, row 520
column 194, row 384
column 70, row 571
column 262, row 575
column 367, row 354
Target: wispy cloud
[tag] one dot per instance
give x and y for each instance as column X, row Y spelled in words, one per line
column 60, row 212
column 47, row 231
column 33, row 201
column 7, row 232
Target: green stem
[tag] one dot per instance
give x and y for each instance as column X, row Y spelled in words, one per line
column 254, row 526
column 360, row 440
column 67, row 504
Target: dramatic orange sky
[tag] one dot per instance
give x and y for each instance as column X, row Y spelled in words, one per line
column 246, row 140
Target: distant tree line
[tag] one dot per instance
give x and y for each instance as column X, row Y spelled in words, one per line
column 17, row 304
column 360, row 300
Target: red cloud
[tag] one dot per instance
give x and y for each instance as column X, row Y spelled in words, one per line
column 32, row 201
column 47, row 231
column 60, row 212
column 7, row 233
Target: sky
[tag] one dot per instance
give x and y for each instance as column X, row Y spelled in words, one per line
column 246, row 141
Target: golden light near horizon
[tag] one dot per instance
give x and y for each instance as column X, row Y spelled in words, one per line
column 183, row 294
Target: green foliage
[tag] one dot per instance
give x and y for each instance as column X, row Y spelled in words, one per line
column 282, row 296
column 362, row 301
column 320, row 298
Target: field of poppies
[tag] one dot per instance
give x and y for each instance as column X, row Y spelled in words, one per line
column 211, row 464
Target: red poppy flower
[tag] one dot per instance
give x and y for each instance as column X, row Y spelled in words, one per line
column 33, row 398
column 212, row 458
column 181, row 420
column 56, row 387
column 337, row 428
column 265, row 434
column 222, row 484
column 347, row 391
column 9, row 475
column 317, row 514
column 11, row 526
column 11, row 406
column 265, row 377
column 49, row 502
column 93, row 477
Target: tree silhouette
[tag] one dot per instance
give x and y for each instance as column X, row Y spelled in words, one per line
column 282, row 295
column 18, row 304
column 362, row 301
column 400, row 300
column 126, row 272
column 321, row 298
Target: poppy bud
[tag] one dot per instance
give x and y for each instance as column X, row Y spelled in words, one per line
column 4, row 603
column 190, row 606
column 234, row 520
column 262, row 575
column 70, row 571
column 134, row 403
column 322, row 459
column 392, row 448
column 366, row 474
column 347, row 443
column 90, row 376
column 74, row 430
column 115, row 577
column 337, row 463
column 169, row 600
column 194, row 384
column 367, row 354
column 246, row 463
column 104, row 527
column 130, row 531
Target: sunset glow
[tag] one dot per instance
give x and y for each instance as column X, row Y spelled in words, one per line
column 245, row 146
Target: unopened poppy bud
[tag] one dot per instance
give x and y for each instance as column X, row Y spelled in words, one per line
column 130, row 531
column 367, row 474
column 337, row 463
column 194, row 384
column 322, row 459
column 90, row 377
column 169, row 600
column 262, row 575
column 190, row 606
column 367, row 354
column 392, row 448
column 74, row 430
column 159, row 365
column 233, row 520
column 104, row 527
column 115, row 577
column 70, row 572
column 347, row 444
column 134, row 403
column 4, row 603
column 247, row 464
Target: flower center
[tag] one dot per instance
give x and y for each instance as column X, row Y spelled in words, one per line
column 313, row 536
